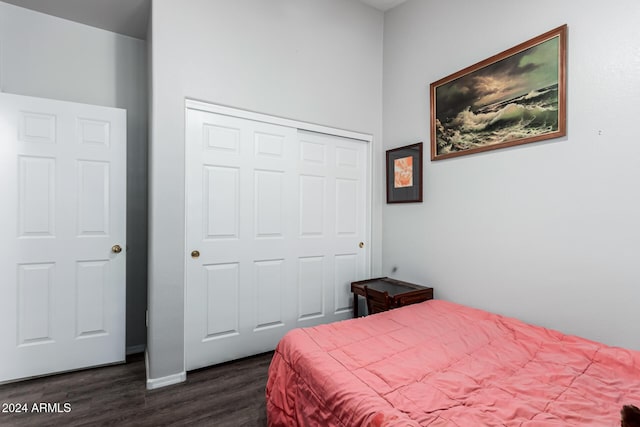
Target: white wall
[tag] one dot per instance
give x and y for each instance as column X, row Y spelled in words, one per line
column 547, row 232
column 314, row 61
column 49, row 57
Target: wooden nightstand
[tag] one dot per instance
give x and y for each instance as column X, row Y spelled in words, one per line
column 401, row 293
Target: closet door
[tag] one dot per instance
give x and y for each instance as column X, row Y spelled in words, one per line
column 275, row 218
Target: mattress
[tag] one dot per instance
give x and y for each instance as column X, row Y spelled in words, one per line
column 442, row 364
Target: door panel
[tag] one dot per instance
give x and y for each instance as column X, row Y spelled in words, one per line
column 35, row 284
column 222, row 313
column 91, row 287
column 62, row 168
column 36, row 196
column 276, row 215
column 93, row 198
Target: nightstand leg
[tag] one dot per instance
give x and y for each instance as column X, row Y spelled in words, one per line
column 355, row 305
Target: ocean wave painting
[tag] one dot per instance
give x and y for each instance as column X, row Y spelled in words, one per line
column 512, row 98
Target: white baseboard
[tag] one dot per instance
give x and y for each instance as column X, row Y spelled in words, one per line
column 153, row 383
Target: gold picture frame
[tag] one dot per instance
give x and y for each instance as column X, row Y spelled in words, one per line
column 512, row 98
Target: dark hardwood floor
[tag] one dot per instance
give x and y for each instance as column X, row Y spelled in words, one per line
column 230, row 394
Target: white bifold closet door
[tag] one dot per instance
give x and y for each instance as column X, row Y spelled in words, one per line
column 62, row 222
column 276, row 227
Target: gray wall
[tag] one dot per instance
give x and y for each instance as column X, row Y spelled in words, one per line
column 314, row 61
column 49, row 57
column 547, row 232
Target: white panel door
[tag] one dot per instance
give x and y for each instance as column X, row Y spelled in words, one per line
column 276, row 217
column 62, row 168
column 333, row 175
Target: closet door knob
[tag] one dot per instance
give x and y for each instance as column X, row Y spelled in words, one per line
column 195, row 254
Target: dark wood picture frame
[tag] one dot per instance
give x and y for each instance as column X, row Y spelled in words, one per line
column 404, row 174
column 512, row 98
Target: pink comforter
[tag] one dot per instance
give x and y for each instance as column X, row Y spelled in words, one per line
column 443, row 364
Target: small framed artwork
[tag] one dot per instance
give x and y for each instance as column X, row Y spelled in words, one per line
column 512, row 98
column 404, row 174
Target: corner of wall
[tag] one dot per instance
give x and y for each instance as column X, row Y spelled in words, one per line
column 154, row 383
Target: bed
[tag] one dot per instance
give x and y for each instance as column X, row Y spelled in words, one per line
column 442, row 364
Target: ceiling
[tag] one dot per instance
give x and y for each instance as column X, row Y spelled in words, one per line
column 128, row 17
column 383, row 5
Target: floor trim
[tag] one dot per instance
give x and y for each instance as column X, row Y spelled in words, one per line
column 154, row 383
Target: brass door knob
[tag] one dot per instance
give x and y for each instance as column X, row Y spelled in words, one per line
column 116, row 249
column 361, row 245
column 195, row 254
